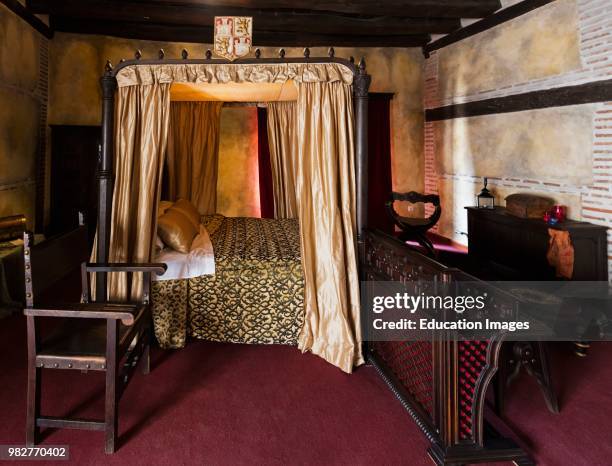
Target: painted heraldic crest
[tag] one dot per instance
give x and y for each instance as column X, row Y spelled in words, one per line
column 233, row 36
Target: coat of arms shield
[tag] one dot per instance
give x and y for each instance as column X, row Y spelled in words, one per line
column 233, row 36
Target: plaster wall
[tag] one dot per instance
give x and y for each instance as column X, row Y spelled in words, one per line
column 535, row 144
column 238, row 182
column 542, row 43
column 21, row 104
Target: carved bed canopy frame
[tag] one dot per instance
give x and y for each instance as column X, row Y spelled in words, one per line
column 361, row 83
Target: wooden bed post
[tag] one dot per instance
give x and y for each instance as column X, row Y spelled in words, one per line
column 105, row 175
column 361, row 84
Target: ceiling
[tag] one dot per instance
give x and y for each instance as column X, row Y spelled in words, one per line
column 359, row 23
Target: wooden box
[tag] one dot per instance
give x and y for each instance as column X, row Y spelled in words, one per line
column 528, row 205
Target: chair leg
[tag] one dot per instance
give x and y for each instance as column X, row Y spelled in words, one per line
column 33, row 408
column 111, row 417
column 111, row 411
column 145, row 363
column 427, row 244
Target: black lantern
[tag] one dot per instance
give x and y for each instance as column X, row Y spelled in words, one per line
column 485, row 198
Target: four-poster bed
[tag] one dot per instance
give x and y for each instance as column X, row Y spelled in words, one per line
column 332, row 104
column 330, row 318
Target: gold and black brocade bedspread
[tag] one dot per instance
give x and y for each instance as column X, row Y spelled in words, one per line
column 255, row 296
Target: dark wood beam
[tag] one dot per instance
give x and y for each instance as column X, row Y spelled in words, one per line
column 204, row 34
column 28, row 17
column 393, row 8
column 203, row 15
column 598, row 91
column 489, row 22
column 409, row 8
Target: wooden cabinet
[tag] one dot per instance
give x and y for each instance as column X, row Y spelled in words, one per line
column 74, row 154
column 514, row 248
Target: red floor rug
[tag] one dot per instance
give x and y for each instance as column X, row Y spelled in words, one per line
column 230, row 404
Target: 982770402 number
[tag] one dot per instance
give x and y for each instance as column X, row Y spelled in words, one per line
column 15, row 452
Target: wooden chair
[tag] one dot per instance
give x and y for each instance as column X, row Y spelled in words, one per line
column 109, row 337
column 415, row 228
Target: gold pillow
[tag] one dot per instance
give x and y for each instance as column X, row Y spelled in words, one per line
column 163, row 207
column 176, row 230
column 188, row 210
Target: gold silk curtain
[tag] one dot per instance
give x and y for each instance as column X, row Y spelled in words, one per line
column 142, row 116
column 282, row 141
column 193, row 153
column 326, row 206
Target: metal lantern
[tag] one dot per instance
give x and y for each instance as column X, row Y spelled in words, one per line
column 485, row 198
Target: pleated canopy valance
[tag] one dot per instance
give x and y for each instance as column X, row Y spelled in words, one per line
column 142, row 74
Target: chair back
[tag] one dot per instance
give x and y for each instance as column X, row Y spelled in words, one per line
column 138, row 280
column 46, row 264
column 409, row 224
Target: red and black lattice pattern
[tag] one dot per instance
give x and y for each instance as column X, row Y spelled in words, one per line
column 411, row 362
column 472, row 356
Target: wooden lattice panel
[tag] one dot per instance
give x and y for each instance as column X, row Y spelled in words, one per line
column 412, row 364
column 472, row 360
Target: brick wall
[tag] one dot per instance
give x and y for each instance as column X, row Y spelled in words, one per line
column 430, row 100
column 595, row 44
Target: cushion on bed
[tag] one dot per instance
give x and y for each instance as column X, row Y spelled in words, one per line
column 163, row 207
column 188, row 210
column 199, row 261
column 176, row 230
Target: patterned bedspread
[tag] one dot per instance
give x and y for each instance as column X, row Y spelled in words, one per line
column 255, row 296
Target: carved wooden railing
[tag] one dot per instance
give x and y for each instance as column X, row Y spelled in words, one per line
column 442, row 382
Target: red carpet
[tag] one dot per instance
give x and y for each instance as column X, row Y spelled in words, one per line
column 581, row 434
column 231, row 404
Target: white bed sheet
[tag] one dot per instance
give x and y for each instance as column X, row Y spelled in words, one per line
column 197, row 262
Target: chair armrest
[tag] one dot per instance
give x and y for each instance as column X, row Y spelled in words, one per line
column 157, row 268
column 127, row 313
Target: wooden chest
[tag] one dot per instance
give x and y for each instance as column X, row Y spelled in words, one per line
column 528, row 205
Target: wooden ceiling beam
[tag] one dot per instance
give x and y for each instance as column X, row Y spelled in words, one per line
column 393, row 8
column 204, row 34
column 502, row 16
column 16, row 7
column 190, row 15
column 407, row 8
